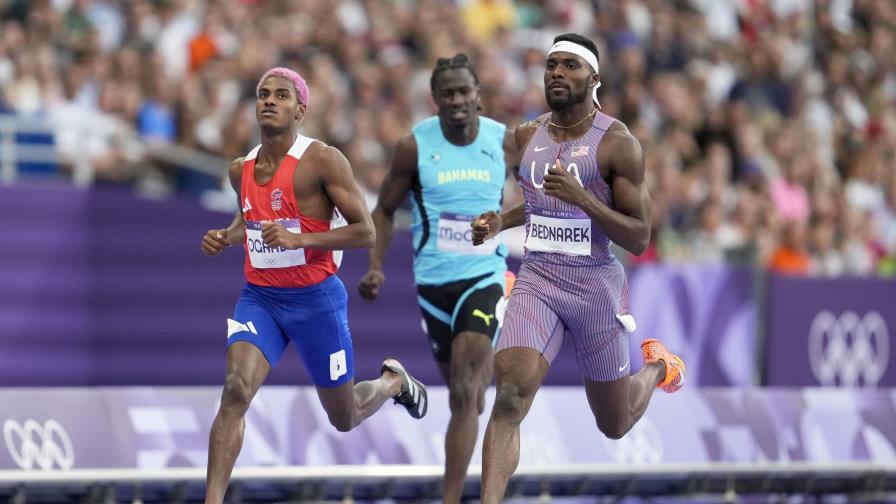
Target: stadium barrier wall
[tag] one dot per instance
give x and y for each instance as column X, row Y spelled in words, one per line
column 100, row 287
column 830, row 332
column 155, row 428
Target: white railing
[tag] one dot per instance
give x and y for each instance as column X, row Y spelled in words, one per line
column 12, row 152
column 422, row 472
column 723, row 478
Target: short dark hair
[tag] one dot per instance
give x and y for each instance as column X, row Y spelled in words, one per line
column 581, row 40
column 460, row 60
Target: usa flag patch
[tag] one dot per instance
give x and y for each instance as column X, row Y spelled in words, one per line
column 579, row 150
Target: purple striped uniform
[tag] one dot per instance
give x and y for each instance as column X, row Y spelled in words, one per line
column 570, row 285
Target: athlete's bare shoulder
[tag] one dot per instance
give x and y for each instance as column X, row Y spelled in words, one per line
column 620, row 149
column 511, row 152
column 523, row 133
column 315, row 149
column 617, row 130
column 235, row 172
column 323, row 160
column 404, row 159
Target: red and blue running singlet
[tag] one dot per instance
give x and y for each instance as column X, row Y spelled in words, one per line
column 276, row 201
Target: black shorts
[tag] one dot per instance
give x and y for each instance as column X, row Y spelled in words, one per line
column 474, row 305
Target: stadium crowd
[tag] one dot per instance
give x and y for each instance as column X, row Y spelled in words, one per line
column 769, row 126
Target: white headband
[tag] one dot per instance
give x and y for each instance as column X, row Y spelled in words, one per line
column 582, row 52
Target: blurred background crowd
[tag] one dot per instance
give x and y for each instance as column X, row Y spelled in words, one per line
column 768, row 126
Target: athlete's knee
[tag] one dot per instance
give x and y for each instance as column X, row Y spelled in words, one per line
column 613, row 428
column 510, row 403
column 237, row 394
column 462, row 395
column 480, row 400
column 342, row 423
column 343, row 417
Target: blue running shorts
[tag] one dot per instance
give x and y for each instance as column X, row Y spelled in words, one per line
column 315, row 318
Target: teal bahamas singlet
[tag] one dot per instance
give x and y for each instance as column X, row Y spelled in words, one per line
column 455, row 185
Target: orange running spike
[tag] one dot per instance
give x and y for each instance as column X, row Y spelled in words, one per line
column 653, row 350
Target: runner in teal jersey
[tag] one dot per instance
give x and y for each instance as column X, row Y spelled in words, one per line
column 454, row 165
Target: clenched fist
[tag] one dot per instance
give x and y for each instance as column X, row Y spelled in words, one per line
column 214, row 241
column 486, row 227
column 275, row 235
column 559, row 183
column 370, row 284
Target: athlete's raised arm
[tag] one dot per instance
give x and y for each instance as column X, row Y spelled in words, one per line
column 393, row 191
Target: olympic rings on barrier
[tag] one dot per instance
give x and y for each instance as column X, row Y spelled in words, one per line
column 33, row 444
column 849, row 350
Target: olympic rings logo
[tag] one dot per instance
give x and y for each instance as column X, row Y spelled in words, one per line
column 33, row 444
column 847, row 350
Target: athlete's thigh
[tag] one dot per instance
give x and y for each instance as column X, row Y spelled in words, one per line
column 438, row 304
column 477, row 320
column 245, row 361
column 472, row 358
column 318, row 324
column 594, row 319
column 606, row 374
column 530, row 322
column 609, row 400
column 338, row 402
column 479, row 311
column 603, row 355
column 438, row 331
column 471, row 367
column 253, row 322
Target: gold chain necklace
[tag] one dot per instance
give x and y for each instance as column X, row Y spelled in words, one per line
column 551, row 123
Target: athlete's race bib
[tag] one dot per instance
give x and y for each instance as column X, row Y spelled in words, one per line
column 262, row 256
column 558, row 231
column 456, row 236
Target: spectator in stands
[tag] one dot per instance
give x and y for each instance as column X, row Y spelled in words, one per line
column 738, row 231
column 787, row 190
column 827, row 260
column 884, row 221
column 857, row 250
column 156, row 120
column 791, row 257
column 485, row 17
column 704, row 242
column 801, row 93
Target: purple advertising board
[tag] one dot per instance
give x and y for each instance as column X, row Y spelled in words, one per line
column 164, row 427
column 705, row 314
column 106, row 288
column 831, row 332
column 101, row 287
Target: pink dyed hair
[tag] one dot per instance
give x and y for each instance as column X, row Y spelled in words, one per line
column 291, row 76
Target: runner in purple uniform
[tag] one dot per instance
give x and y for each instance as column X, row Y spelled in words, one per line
column 582, row 176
